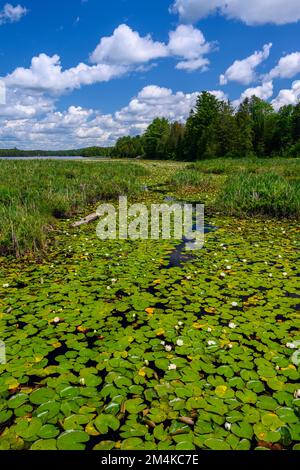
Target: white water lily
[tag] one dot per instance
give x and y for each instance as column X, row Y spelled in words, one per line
column 114, row 281
column 228, row 268
column 56, row 320
column 284, row 274
column 176, row 327
column 146, row 363
column 279, row 256
column 211, row 343
column 234, row 304
column 180, row 342
column 227, row 426
column 5, row 286
column 291, row 345
column 223, row 275
column 82, row 381
column 168, row 348
column 297, row 394
column 163, row 343
column 172, row 367
column 232, row 325
column 244, row 260
column 209, row 330
column 230, row 346
column 270, row 275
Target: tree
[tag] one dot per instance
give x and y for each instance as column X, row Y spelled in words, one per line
column 245, row 133
column 156, row 138
column 200, row 139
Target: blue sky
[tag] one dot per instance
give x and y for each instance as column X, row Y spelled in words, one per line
column 81, row 73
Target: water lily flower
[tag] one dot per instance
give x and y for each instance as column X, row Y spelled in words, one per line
column 284, row 274
column 234, row 304
column 279, row 256
column 114, row 281
column 168, row 348
column 297, row 394
column 163, row 343
column 180, row 323
column 227, row 426
column 82, row 381
column 5, row 286
column 146, row 363
column 244, row 260
column 56, row 320
column 172, row 367
column 180, row 342
column 223, row 275
column 209, row 330
column 211, row 343
column 291, row 345
column 270, row 275
column 232, row 325
column 230, row 346
column 228, row 268
column 108, row 288
column 176, row 327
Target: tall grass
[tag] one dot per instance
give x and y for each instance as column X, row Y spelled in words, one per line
column 34, row 194
column 228, row 166
column 188, row 178
column 264, row 194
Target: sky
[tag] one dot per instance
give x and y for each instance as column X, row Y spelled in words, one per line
column 78, row 73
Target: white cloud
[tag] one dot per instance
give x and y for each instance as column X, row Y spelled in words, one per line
column 286, row 97
column 127, row 47
column 287, row 67
column 189, row 43
column 44, row 127
column 243, row 71
column 11, row 14
column 250, row 12
column 46, row 75
column 264, row 91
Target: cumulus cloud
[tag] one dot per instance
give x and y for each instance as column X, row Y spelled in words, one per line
column 190, row 44
column 264, row 91
column 46, row 74
column 250, row 12
column 287, row 67
column 127, row 47
column 11, row 14
column 45, row 127
column 244, row 71
column 288, row 96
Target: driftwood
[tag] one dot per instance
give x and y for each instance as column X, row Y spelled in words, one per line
column 86, row 220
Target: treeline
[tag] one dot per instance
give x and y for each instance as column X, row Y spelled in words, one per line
column 85, row 152
column 215, row 129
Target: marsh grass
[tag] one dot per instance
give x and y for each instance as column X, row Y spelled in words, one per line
column 34, row 194
column 192, row 179
column 265, row 194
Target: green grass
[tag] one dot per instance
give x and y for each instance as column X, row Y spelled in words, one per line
column 242, row 187
column 33, row 195
column 190, row 178
column 265, row 194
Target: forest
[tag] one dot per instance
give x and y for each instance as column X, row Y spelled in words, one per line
column 215, row 129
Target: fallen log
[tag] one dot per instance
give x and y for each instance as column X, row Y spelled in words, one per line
column 86, row 220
